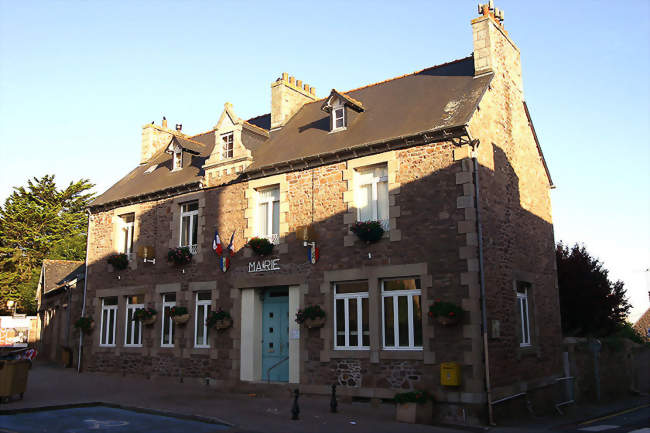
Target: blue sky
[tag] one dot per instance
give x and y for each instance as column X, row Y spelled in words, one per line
column 79, row 79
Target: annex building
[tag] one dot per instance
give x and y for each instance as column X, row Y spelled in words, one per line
column 446, row 159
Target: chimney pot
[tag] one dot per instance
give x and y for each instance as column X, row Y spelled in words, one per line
column 291, row 80
column 306, row 88
column 312, row 90
column 285, row 76
column 299, row 83
column 179, row 127
column 164, row 122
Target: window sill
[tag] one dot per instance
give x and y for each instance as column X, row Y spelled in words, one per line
column 361, row 353
column 528, row 351
column 414, row 354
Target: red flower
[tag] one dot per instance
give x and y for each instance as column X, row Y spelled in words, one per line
column 451, row 313
column 430, row 313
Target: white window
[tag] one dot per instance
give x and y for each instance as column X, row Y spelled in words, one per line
column 107, row 326
column 126, row 234
column 402, row 314
column 133, row 328
column 351, row 325
column 268, row 213
column 227, row 146
column 338, row 118
column 371, row 194
column 190, row 226
column 178, row 159
column 522, row 312
column 201, row 315
column 167, row 330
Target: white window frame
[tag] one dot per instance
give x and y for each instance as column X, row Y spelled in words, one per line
column 166, row 304
column 111, row 311
column 363, row 177
column 177, row 159
column 395, row 294
column 358, row 300
column 206, row 303
column 524, row 307
column 126, row 235
column 134, row 323
column 191, row 213
column 335, row 109
column 227, row 145
column 270, row 201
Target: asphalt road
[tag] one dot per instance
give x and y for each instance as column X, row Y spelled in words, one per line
column 635, row 420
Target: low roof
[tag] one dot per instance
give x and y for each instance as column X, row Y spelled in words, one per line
column 436, row 98
column 56, row 273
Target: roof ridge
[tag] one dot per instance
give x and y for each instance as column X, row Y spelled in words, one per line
column 60, row 260
column 204, row 132
column 193, row 141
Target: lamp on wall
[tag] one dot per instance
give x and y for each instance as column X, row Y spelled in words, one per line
column 11, row 305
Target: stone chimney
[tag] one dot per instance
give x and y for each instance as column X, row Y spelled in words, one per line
column 154, row 139
column 287, row 96
column 494, row 51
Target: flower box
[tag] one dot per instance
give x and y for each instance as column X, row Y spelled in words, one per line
column 223, row 323
column 85, row 324
column 260, row 246
column 315, row 323
column 445, row 313
column 447, row 321
column 118, row 261
column 368, row 231
column 181, row 319
column 219, row 319
column 414, row 413
column 179, row 315
column 145, row 315
column 312, row 316
column 179, row 256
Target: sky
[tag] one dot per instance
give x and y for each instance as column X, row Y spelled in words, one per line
column 78, row 80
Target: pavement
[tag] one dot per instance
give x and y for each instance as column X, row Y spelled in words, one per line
column 50, row 385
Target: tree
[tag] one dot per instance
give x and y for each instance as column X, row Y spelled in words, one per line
column 36, row 222
column 590, row 304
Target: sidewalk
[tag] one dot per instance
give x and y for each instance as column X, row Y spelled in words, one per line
column 51, row 385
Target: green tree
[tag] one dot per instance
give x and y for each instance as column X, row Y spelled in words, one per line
column 39, row 221
column 590, row 304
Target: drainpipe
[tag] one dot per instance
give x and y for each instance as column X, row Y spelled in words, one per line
column 479, row 229
column 83, row 305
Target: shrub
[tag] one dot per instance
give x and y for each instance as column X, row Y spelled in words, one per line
column 144, row 313
column 445, row 309
column 180, row 256
column 177, row 311
column 84, row 323
column 119, row 261
column 412, row 397
column 368, row 231
column 214, row 316
column 261, row 246
column 310, row 312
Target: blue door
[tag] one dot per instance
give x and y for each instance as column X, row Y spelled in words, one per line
column 275, row 335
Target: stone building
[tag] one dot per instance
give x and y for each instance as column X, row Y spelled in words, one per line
column 446, row 159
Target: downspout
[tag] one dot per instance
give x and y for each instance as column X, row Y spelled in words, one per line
column 83, row 305
column 479, row 229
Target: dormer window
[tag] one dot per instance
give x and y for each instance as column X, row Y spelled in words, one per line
column 338, row 118
column 178, row 159
column 227, row 146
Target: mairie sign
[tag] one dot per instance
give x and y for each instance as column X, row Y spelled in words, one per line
column 264, row 265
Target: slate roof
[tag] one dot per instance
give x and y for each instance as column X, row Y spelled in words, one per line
column 432, row 99
column 58, row 272
column 435, row 98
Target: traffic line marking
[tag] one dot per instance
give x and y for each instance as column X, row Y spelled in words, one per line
column 599, row 427
column 591, row 421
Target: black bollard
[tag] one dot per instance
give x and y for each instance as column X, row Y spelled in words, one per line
column 333, row 403
column 295, row 410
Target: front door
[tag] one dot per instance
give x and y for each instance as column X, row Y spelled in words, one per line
column 275, row 335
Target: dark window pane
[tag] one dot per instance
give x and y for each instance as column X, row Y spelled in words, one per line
column 403, row 315
column 365, row 324
column 352, row 315
column 525, row 317
column 408, row 284
column 352, row 287
column 417, row 321
column 105, row 324
column 195, row 229
column 110, row 301
column 389, row 330
column 340, row 322
column 169, row 297
column 203, row 296
column 111, row 326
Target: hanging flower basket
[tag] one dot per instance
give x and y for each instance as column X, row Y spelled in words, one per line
column 179, row 256
column 118, row 261
column 219, row 319
column 85, row 324
column 260, row 246
column 368, row 231
column 145, row 315
column 179, row 315
column 445, row 313
column 312, row 316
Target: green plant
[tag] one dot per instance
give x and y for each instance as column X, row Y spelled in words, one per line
column 214, row 316
column 144, row 313
column 413, row 397
column 368, row 231
column 445, row 309
column 626, row 330
column 310, row 312
column 84, row 323
column 180, row 256
column 177, row 311
column 119, row 261
column 260, row 246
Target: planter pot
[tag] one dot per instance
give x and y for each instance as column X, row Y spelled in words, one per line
column 223, row 324
column 182, row 319
column 414, row 413
column 315, row 323
column 90, row 328
column 150, row 321
column 446, row 320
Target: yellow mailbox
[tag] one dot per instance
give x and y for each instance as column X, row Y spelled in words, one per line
column 450, row 374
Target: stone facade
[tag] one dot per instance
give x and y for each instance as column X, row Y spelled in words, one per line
column 433, row 237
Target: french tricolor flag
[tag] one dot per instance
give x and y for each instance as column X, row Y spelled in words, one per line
column 216, row 243
column 231, row 245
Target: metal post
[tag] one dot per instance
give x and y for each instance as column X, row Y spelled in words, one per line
column 333, row 403
column 295, row 410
